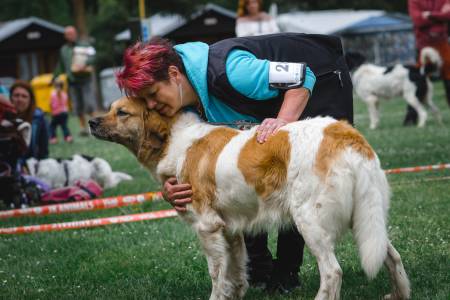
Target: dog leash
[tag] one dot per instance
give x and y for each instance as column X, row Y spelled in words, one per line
column 241, row 124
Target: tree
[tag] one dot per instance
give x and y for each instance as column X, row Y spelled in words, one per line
column 105, row 18
column 111, row 17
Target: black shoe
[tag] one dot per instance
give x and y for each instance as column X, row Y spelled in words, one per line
column 284, row 283
column 259, row 281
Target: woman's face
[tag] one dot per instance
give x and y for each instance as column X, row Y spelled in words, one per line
column 163, row 96
column 21, row 99
column 252, row 7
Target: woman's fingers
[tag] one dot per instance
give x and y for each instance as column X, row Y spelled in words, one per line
column 178, row 195
column 264, row 130
column 182, row 194
column 268, row 127
column 180, row 204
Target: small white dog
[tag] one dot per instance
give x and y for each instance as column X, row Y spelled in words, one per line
column 373, row 83
column 60, row 173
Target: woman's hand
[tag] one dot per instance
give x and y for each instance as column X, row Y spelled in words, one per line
column 293, row 105
column 178, row 195
column 268, row 127
column 426, row 15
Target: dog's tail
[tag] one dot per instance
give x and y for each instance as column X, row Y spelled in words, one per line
column 371, row 204
column 429, row 59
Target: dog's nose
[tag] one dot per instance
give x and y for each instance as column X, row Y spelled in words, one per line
column 93, row 123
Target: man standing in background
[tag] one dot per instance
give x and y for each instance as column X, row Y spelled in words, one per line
column 76, row 61
column 430, row 18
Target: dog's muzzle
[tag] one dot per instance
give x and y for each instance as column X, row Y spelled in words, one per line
column 93, row 123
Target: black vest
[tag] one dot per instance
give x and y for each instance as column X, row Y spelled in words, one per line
column 332, row 94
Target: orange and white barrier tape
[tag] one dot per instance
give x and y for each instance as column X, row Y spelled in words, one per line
column 95, row 204
column 418, row 169
column 90, row 223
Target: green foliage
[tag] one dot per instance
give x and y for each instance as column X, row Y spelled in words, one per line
column 57, row 11
column 163, row 260
column 110, row 18
column 106, row 18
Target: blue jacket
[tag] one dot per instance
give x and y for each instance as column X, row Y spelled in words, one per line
column 39, row 137
column 247, row 74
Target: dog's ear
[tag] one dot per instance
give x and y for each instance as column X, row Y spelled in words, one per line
column 154, row 141
column 154, row 137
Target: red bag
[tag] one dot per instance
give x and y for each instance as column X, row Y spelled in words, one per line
column 7, row 110
column 82, row 190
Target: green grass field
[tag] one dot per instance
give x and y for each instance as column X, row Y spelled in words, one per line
column 162, row 259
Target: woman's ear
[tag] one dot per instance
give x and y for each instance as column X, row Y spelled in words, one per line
column 174, row 73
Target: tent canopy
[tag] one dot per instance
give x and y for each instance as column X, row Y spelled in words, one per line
column 342, row 21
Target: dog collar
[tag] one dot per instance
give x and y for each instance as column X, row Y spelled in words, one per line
column 241, row 124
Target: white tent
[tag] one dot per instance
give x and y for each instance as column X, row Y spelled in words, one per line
column 384, row 38
column 324, row 22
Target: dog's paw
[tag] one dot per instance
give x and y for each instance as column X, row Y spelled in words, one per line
column 393, row 296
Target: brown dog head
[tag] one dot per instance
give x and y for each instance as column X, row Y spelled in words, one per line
column 144, row 132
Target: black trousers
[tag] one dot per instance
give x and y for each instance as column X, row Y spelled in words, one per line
column 59, row 120
column 290, row 247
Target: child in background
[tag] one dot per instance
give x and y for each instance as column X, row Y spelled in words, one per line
column 59, row 106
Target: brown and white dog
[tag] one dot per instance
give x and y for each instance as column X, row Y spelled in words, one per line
column 319, row 174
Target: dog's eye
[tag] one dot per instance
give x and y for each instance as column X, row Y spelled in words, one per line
column 122, row 113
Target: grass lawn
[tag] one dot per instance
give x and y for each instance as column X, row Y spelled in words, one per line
column 162, row 259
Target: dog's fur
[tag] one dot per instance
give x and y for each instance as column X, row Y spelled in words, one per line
column 59, row 173
column 373, row 83
column 320, row 175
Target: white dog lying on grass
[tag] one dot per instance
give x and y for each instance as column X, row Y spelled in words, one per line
column 60, row 173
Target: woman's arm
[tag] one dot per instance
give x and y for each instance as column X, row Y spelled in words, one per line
column 250, row 77
column 294, row 104
column 415, row 9
column 42, row 150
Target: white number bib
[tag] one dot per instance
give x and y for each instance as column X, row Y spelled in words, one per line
column 286, row 75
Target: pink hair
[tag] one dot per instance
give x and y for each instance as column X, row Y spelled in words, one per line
column 145, row 64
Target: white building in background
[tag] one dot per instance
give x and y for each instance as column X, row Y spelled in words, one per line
column 384, row 38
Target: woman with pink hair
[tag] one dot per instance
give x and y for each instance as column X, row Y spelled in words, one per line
column 262, row 79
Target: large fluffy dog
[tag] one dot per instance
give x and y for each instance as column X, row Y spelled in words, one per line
column 60, row 173
column 319, row 174
column 373, row 83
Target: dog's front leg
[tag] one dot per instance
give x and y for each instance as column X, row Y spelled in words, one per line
column 211, row 232
column 412, row 100
column 237, row 272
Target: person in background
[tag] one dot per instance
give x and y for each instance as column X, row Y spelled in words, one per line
column 430, row 20
column 234, row 80
column 76, row 61
column 59, row 106
column 22, row 97
column 253, row 21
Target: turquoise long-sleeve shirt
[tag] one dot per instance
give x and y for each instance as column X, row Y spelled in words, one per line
column 247, row 74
